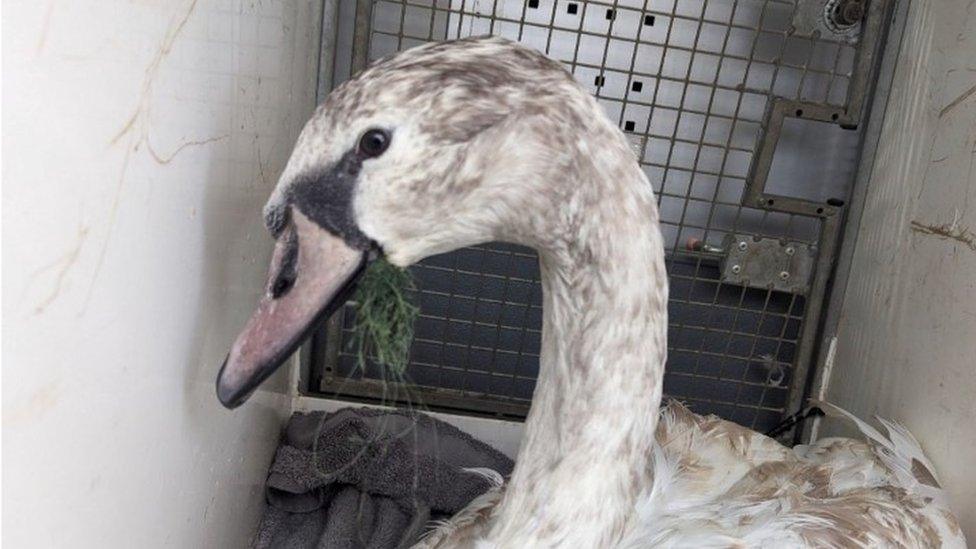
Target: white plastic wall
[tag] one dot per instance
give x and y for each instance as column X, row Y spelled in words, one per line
column 906, row 346
column 140, row 140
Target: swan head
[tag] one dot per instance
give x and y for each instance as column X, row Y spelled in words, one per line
column 433, row 149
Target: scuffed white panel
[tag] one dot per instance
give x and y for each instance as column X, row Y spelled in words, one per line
column 906, row 346
column 140, row 141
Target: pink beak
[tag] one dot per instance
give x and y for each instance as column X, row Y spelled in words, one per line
column 312, row 274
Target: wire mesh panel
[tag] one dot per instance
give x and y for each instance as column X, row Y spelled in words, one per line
column 692, row 83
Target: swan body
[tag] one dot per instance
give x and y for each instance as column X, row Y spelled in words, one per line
column 718, row 484
column 486, row 140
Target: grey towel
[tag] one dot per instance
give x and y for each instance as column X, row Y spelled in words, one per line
column 367, row 478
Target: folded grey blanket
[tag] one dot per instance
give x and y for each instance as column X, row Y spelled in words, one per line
column 367, row 478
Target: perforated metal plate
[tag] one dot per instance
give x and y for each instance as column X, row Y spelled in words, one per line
column 703, row 89
column 763, row 263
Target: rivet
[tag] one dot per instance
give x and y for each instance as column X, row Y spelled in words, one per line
column 784, row 275
column 743, row 246
column 790, row 251
column 736, row 269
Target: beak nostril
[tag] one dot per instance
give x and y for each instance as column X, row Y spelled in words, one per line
column 281, row 286
column 286, row 267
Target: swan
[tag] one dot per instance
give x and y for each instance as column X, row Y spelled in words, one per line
column 459, row 143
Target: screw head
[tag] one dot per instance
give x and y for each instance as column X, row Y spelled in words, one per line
column 784, row 275
column 736, row 269
column 790, row 250
column 743, row 245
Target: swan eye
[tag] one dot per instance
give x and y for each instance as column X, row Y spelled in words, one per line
column 374, row 143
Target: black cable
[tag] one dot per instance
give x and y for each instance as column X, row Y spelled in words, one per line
column 794, row 420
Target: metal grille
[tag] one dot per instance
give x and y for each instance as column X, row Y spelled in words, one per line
column 705, row 90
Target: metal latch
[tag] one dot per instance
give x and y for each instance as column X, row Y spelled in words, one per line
column 768, row 263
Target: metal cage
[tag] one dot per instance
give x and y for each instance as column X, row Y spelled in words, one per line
column 745, row 116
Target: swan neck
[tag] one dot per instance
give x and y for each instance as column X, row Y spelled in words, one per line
column 588, row 436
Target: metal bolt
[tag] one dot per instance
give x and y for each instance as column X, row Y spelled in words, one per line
column 789, row 250
column 853, row 12
column 784, row 275
column 736, row 269
column 848, row 14
column 743, row 246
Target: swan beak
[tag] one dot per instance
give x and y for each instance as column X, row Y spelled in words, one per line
column 312, row 274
